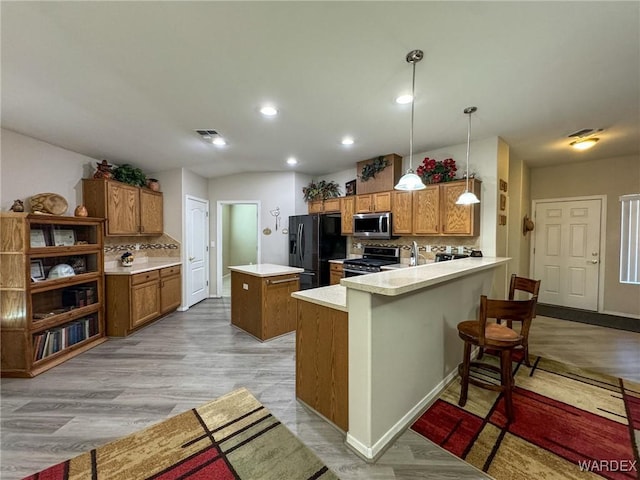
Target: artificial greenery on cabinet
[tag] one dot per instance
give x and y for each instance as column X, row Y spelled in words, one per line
column 321, row 190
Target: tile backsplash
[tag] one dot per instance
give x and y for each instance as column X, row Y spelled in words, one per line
column 160, row 246
column 427, row 246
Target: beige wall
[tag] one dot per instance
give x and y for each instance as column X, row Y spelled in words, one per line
column 611, row 177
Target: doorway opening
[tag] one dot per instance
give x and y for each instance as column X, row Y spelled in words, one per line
column 238, row 224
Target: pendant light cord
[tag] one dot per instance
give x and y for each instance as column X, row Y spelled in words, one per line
column 468, row 147
column 413, row 101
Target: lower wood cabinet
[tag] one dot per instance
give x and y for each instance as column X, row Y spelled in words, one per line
column 322, row 361
column 263, row 306
column 135, row 300
column 335, row 273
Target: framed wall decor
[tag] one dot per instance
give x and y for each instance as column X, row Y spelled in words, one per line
column 350, row 188
column 64, row 237
column 502, row 220
column 503, row 201
column 37, row 238
column 37, row 270
column 503, row 186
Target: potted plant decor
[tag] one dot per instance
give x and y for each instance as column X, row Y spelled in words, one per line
column 130, row 175
column 320, row 190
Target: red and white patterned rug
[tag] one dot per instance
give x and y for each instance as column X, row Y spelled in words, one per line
column 569, row 423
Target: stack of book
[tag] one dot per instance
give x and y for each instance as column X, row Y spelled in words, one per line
column 57, row 339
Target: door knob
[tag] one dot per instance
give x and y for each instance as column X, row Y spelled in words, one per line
column 592, row 261
column 191, row 259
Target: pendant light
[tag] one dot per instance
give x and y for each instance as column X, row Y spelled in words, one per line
column 411, row 181
column 468, row 198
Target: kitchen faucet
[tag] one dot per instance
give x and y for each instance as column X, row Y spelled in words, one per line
column 413, row 260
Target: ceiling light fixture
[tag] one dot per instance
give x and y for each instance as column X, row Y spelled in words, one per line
column 218, row 141
column 585, row 143
column 292, row 161
column 468, row 198
column 404, row 99
column 411, row 181
column 269, row 111
column 347, row 141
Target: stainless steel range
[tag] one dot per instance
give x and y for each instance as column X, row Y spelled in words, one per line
column 372, row 261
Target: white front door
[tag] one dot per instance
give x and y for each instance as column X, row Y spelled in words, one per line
column 197, row 238
column 566, row 252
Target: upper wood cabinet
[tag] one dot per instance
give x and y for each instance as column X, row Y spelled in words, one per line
column 129, row 210
column 374, row 202
column 330, row 205
column 459, row 219
column 347, row 209
column 426, row 211
column 433, row 211
column 402, row 212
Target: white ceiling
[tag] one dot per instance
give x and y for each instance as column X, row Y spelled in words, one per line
column 130, row 81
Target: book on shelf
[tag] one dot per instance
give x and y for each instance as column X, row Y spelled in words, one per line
column 59, row 338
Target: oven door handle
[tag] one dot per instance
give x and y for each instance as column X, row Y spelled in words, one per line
column 357, row 272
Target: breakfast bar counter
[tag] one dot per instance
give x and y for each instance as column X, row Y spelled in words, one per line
column 391, row 338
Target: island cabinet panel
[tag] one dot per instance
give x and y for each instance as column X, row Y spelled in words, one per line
column 426, row 211
column 347, row 209
column 322, row 361
column 262, row 306
column 402, row 212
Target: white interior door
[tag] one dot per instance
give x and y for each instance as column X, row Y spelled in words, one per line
column 197, row 239
column 566, row 252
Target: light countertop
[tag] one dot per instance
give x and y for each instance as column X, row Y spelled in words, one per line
column 115, row 268
column 333, row 296
column 404, row 280
column 265, row 269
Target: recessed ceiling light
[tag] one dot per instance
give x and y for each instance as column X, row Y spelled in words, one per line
column 268, row 111
column 292, row 161
column 347, row 141
column 403, row 99
column 219, row 141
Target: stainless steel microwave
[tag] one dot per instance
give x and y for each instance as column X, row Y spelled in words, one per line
column 372, row 225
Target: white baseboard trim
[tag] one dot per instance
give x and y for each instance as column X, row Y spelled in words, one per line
column 378, row 448
column 182, row 309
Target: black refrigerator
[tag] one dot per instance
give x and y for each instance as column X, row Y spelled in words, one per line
column 313, row 241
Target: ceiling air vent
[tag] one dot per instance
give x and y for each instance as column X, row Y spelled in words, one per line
column 584, row 132
column 207, row 134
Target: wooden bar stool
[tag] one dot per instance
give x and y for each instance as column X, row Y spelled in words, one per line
column 497, row 337
column 532, row 287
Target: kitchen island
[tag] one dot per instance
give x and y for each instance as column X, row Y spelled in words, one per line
column 403, row 346
column 261, row 302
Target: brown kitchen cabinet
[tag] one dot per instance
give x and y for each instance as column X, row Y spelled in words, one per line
column 462, row 220
column 46, row 318
column 402, row 212
column 335, row 273
column 262, row 306
column 128, row 210
column 170, row 289
column 330, row 205
column 373, row 202
column 138, row 299
column 347, row 209
column 426, row 211
column 322, row 361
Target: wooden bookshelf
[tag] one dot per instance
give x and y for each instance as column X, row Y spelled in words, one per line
column 48, row 317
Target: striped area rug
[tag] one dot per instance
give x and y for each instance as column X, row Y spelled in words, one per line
column 569, row 423
column 233, row 437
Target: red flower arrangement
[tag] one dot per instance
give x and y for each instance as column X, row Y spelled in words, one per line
column 437, row 171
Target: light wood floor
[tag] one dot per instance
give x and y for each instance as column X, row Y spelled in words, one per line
column 189, row 358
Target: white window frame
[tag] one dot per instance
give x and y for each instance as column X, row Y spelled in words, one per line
column 630, row 238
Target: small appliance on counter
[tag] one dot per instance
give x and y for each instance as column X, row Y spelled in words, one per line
column 443, row 257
